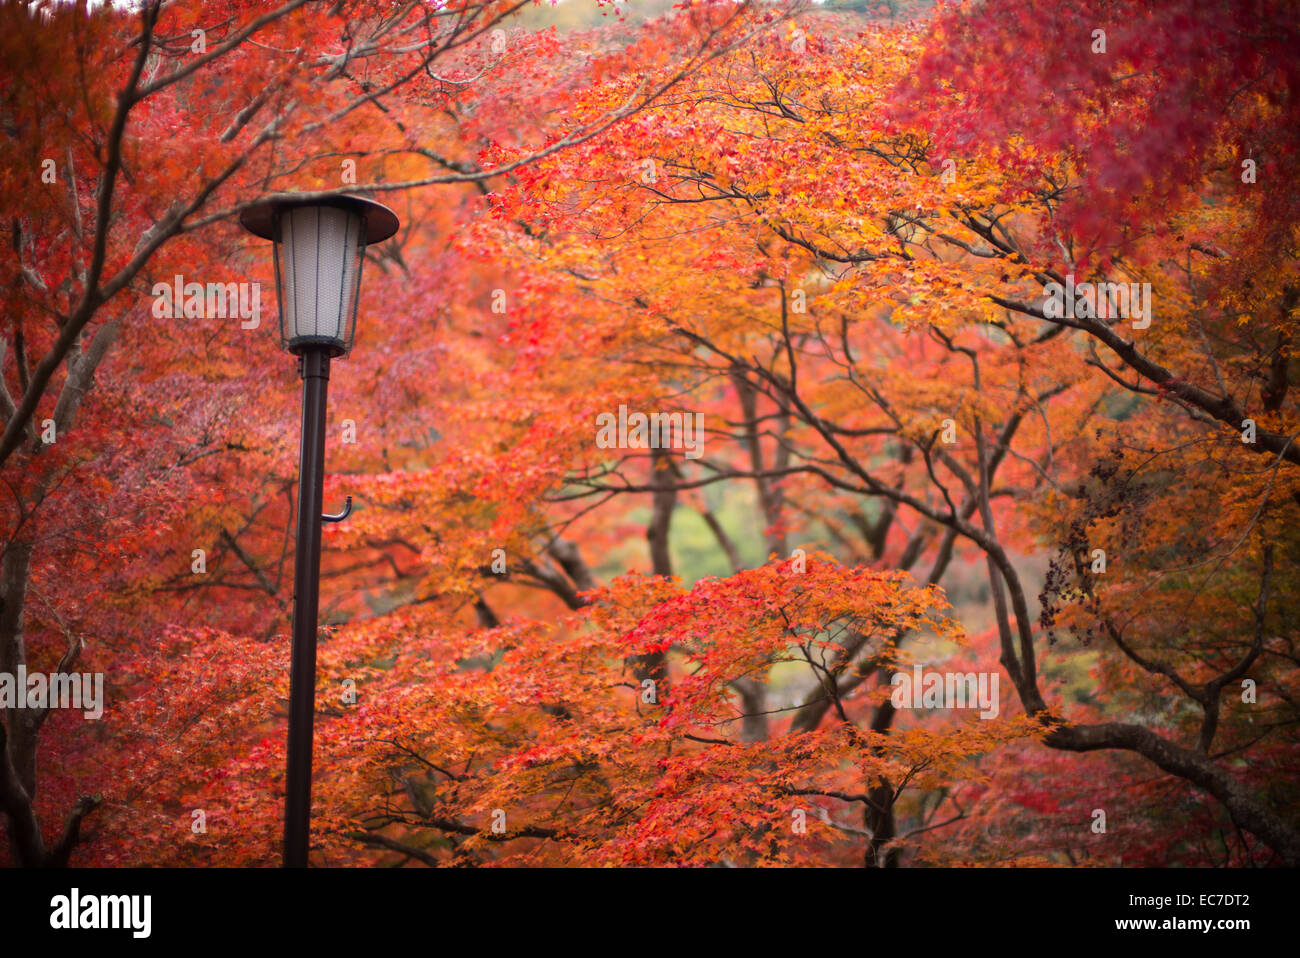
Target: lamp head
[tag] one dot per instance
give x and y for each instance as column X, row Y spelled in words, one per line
column 318, row 245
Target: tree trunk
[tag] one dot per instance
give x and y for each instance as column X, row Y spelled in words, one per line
column 18, row 755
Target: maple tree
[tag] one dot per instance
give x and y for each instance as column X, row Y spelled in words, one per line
column 118, row 174
column 827, row 234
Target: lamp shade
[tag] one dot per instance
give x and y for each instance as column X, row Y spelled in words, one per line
column 318, row 246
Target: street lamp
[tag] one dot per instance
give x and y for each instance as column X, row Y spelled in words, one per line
column 318, row 246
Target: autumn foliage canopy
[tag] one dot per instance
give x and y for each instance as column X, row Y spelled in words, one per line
column 829, row 236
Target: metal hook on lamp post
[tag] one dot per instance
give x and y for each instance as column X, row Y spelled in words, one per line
column 340, row 516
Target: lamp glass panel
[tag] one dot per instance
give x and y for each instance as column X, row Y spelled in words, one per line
column 319, row 259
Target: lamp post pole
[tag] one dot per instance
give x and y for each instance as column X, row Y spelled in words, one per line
column 315, row 370
column 319, row 244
